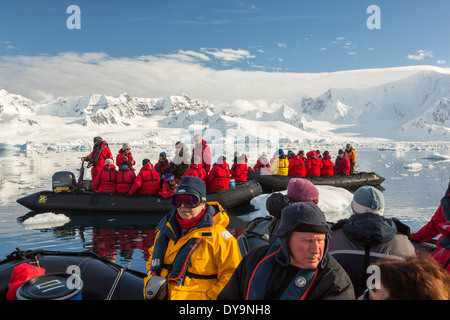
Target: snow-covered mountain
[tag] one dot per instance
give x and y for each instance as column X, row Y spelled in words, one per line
column 414, row 108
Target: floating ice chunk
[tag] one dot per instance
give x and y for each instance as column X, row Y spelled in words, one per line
column 46, row 220
column 413, row 166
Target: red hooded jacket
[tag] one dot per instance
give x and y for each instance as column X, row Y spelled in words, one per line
column 125, row 179
column 297, row 167
column 239, row 171
column 342, row 165
column 105, row 181
column 313, row 164
column 219, row 177
column 167, row 190
column 99, row 156
column 123, row 156
column 204, row 152
column 196, row 170
column 147, row 181
column 327, row 166
column 262, row 162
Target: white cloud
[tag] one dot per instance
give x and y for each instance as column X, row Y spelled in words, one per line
column 73, row 74
column 352, row 53
column 228, row 54
column 420, row 55
column 441, row 61
column 281, row 45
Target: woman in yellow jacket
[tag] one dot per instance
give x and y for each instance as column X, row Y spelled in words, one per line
column 280, row 167
column 193, row 249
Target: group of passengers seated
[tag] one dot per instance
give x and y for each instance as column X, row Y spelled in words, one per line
column 163, row 177
column 311, row 165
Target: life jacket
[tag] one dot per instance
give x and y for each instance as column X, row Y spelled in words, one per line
column 296, row 290
column 261, row 163
column 297, row 167
column 125, row 179
column 314, row 164
column 219, row 177
column 204, row 153
column 100, row 154
column 327, row 166
column 147, row 181
column 122, row 156
column 105, row 181
column 239, row 172
column 280, row 167
column 167, row 190
column 342, row 165
column 196, row 170
column 177, row 271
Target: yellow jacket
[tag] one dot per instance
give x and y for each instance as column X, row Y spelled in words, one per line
column 214, row 260
column 280, row 167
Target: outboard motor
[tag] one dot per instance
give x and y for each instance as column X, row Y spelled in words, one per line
column 63, row 181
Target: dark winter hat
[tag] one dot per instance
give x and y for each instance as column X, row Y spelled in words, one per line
column 98, row 139
column 280, row 151
column 326, row 153
column 300, row 217
column 145, row 161
column 368, row 199
column 169, row 177
column 275, row 204
column 302, row 190
column 163, row 154
column 192, row 184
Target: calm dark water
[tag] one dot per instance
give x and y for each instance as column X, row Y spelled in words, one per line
column 416, row 179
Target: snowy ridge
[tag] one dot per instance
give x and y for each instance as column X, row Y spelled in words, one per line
column 414, row 108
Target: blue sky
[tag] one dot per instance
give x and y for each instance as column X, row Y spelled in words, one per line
column 271, row 36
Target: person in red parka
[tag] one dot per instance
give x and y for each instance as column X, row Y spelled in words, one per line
column 327, row 165
column 105, row 180
column 196, row 169
column 297, row 167
column 439, row 224
column 262, row 164
column 125, row 177
column 219, row 176
column 202, row 150
column 125, row 155
column 163, row 166
column 147, row 181
column 97, row 157
column 239, row 169
column 313, row 164
column 342, row 163
column 169, row 186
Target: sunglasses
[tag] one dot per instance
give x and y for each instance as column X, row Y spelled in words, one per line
column 190, row 200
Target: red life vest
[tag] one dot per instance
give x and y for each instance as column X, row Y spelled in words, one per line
column 147, row 181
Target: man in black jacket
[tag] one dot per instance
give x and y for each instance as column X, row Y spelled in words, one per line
column 296, row 266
